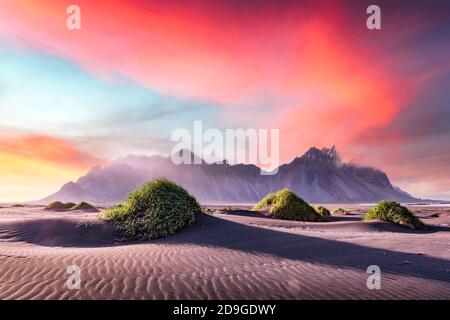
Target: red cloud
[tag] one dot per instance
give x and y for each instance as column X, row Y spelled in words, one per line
column 324, row 78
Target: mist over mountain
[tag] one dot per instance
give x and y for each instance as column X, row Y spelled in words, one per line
column 318, row 176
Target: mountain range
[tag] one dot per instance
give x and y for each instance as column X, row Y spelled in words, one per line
column 318, row 176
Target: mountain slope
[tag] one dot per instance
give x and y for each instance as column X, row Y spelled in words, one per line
column 318, row 176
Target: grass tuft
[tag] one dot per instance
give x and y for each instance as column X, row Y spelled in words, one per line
column 158, row 209
column 284, row 204
column 84, row 206
column 58, row 205
column 322, row 211
column 340, row 211
column 208, row 211
column 393, row 212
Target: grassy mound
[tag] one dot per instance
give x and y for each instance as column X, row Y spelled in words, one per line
column 322, row 211
column 84, row 206
column 393, row 212
column 158, row 209
column 340, row 211
column 58, row 205
column 18, row 206
column 208, row 211
column 284, row 204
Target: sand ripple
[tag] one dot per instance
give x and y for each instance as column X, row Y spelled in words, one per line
column 222, row 257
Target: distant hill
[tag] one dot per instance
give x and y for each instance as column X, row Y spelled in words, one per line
column 318, row 176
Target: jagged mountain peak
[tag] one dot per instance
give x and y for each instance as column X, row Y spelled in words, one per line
column 322, row 155
column 318, row 176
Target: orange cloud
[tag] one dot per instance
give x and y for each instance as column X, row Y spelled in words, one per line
column 34, row 166
column 48, row 149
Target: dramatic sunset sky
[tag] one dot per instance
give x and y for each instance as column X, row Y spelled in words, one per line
column 72, row 99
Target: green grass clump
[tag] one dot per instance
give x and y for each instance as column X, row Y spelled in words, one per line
column 286, row 205
column 322, row 211
column 18, row 206
column 340, row 211
column 158, row 209
column 84, row 206
column 207, row 211
column 393, row 212
column 58, row 205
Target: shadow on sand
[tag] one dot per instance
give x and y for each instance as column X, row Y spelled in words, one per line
column 214, row 231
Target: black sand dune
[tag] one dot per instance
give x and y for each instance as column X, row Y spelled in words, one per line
column 226, row 256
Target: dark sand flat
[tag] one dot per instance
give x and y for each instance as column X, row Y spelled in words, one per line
column 232, row 255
